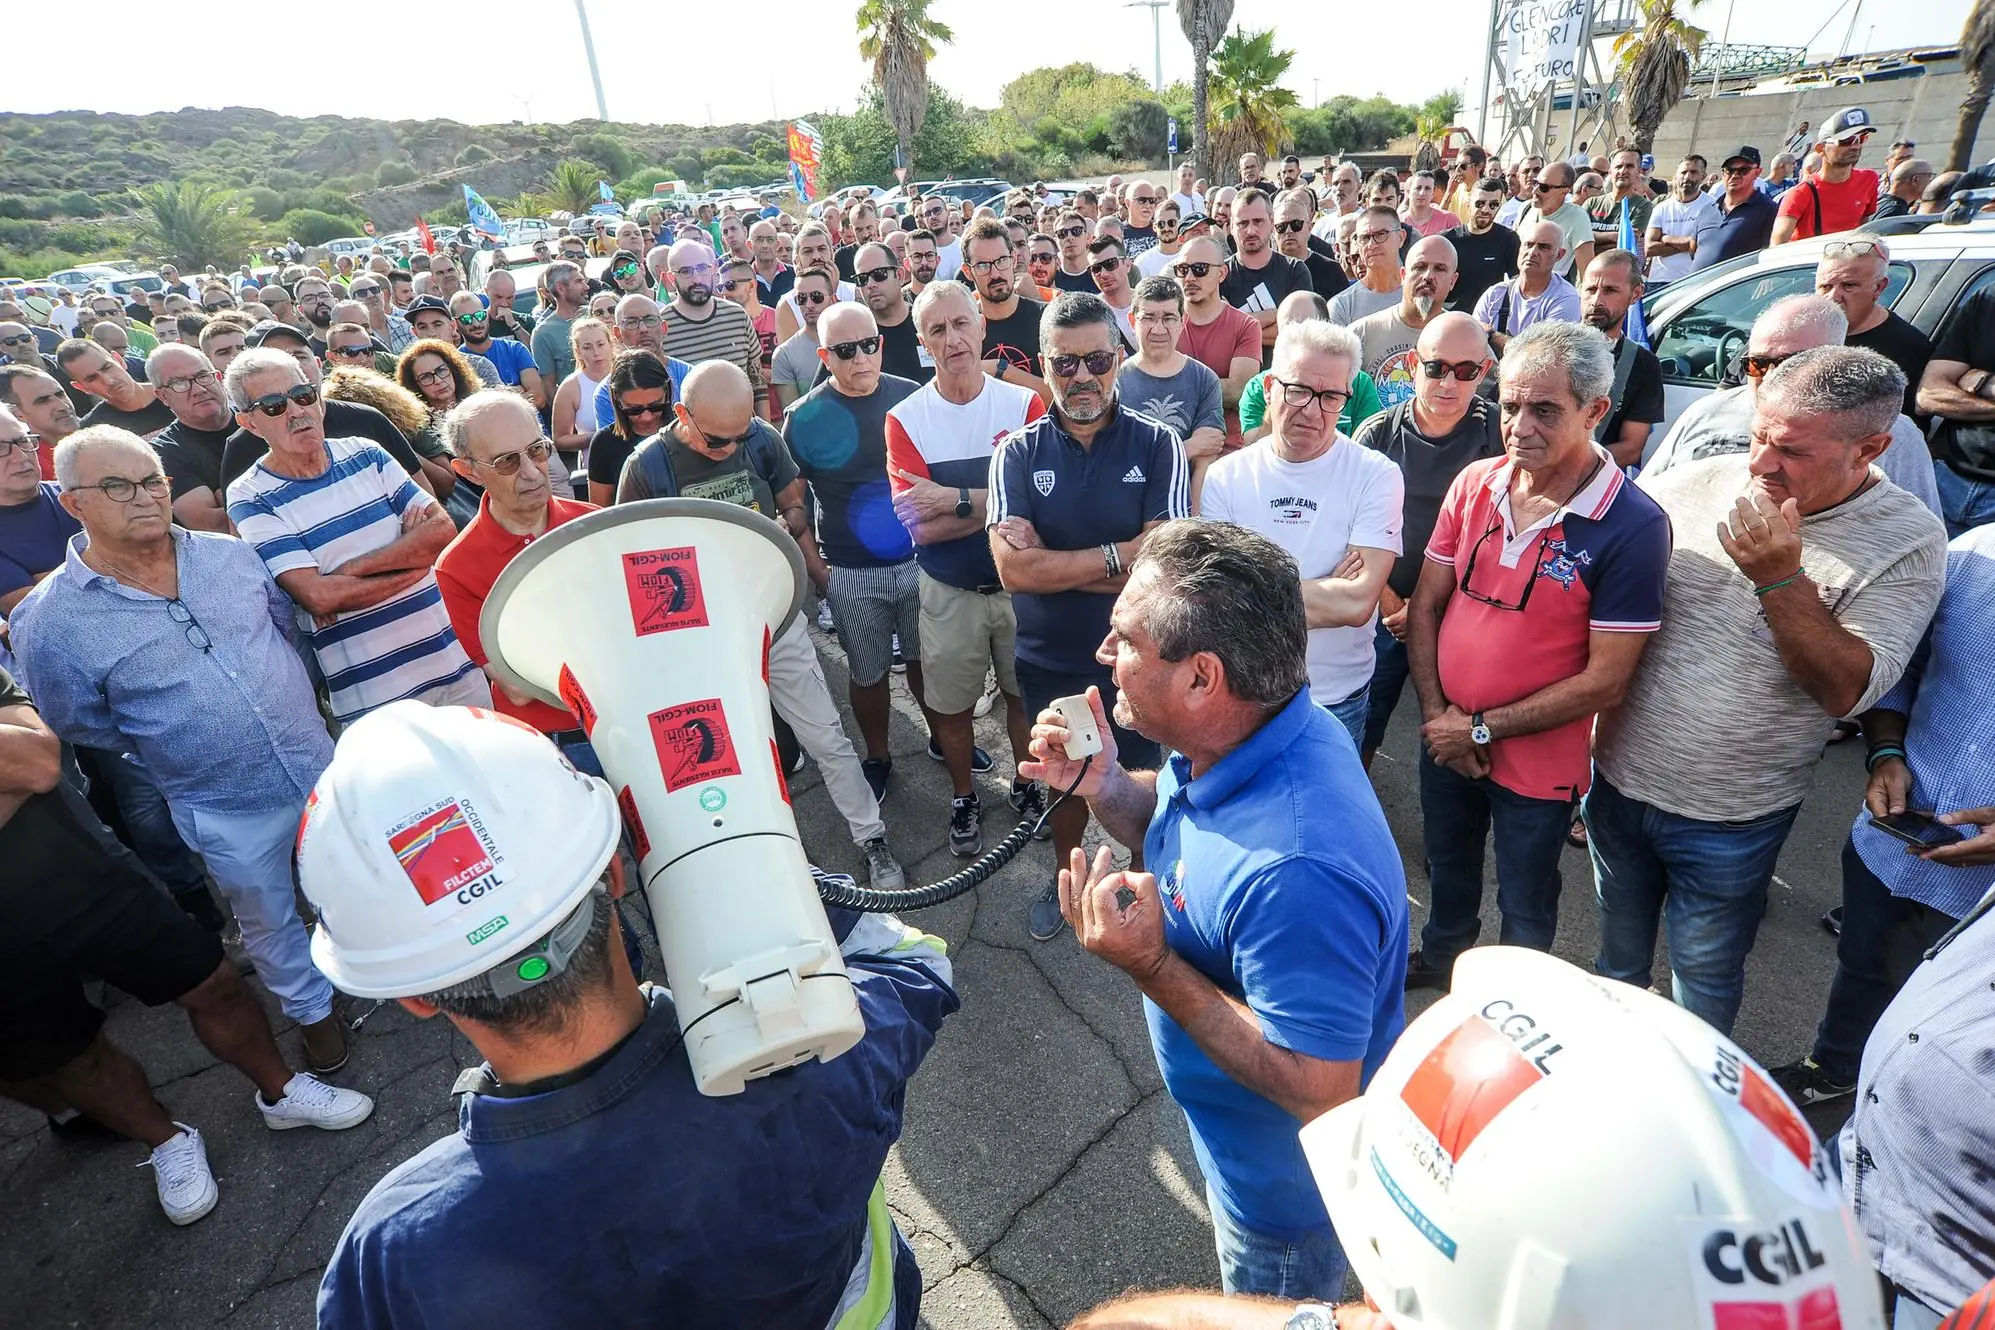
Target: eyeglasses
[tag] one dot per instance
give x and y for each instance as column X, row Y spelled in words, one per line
column 1537, row 566
column 508, row 464
column 987, row 266
column 1463, row 371
column 275, row 404
column 1851, row 249
column 872, row 275
column 697, row 270
column 30, row 442
column 811, row 297
column 1375, row 237
column 176, row 609
column 1069, row 232
column 1098, row 363
column 1043, row 256
column 119, row 490
column 434, row 378
column 1291, row 226
column 1758, row 367
column 1197, row 269
column 658, row 408
column 1329, row 401
column 359, row 352
column 184, row 382
column 468, row 319
column 1109, row 264
column 865, row 346
column 645, row 322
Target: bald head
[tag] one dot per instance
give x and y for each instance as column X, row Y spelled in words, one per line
column 844, row 322
column 488, row 418
column 716, row 385
column 1453, row 336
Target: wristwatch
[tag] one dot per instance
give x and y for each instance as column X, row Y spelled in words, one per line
column 1002, row 366
column 963, row 501
column 1479, row 730
column 1311, row 1316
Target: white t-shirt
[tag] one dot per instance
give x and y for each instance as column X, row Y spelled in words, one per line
column 950, row 263
column 1674, row 217
column 1188, row 204
column 63, row 318
column 1316, row 511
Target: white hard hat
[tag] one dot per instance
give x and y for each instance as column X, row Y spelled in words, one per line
column 442, row 841
column 1547, row 1150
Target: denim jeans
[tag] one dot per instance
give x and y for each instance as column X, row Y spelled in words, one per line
column 1884, row 938
column 1351, row 712
column 1388, row 682
column 1964, row 503
column 148, row 823
column 1706, row 881
column 1310, row 1269
column 1457, row 816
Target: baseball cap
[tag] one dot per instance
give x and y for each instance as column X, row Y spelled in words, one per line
column 1849, row 123
column 1747, row 153
column 421, row 303
column 1196, row 219
column 261, row 334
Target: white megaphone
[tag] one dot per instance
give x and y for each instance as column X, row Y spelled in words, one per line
column 651, row 622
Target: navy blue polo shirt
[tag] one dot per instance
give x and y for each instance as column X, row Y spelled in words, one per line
column 1296, row 911
column 1746, row 229
column 1078, row 498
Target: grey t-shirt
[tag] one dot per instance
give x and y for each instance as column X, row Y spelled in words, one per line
column 733, row 479
column 1722, row 423
column 1187, row 400
column 796, row 361
column 1713, row 727
column 1357, row 300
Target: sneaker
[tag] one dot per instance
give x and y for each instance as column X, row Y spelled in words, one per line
column 980, row 762
column 1421, row 974
column 797, row 762
column 1807, row 1085
column 966, row 826
column 1029, row 798
column 1832, row 921
column 824, row 619
column 180, row 1170
column 900, row 661
column 310, row 1102
column 876, row 770
column 989, row 699
column 1045, row 921
column 883, row 871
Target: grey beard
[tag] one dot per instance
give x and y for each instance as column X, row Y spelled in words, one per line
column 1424, row 306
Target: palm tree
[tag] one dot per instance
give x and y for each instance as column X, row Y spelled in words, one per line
column 899, row 38
column 1652, row 64
column 1977, row 56
column 1247, row 99
column 573, row 188
column 193, row 224
column 1204, row 23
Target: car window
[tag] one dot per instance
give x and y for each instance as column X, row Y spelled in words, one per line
column 1701, row 340
column 1981, row 281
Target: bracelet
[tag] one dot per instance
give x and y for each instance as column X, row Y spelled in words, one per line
column 1775, row 586
column 1879, row 753
column 1111, row 562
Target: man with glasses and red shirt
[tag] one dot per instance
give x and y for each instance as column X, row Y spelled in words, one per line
column 1543, row 579
column 1225, row 340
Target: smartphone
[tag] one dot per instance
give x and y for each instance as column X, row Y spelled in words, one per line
column 1918, row 829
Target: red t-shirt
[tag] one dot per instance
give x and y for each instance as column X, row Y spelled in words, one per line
column 465, row 572
column 1598, row 566
column 1215, row 345
column 1844, row 206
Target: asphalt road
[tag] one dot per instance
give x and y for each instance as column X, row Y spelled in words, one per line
column 1042, row 1169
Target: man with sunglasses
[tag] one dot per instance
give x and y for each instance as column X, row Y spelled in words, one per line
column 192, row 447
column 1294, row 209
column 795, row 368
column 1388, row 336
column 1139, row 233
column 940, row 217
column 1225, row 340
column 1072, row 233
column 1259, row 277
column 1542, row 583
column 1072, row 496
column 510, row 361
column 1839, row 197
column 1485, row 249
column 1110, row 270
column 1744, row 214
column 386, row 322
column 1552, row 202
column 878, row 279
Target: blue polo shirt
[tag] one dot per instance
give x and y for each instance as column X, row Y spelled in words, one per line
column 1283, row 886
column 1078, row 498
column 1746, row 229
column 509, row 358
column 34, row 536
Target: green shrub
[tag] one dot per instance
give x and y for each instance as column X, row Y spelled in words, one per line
column 265, row 202
column 473, row 154
column 394, row 173
column 77, row 203
column 605, row 151
column 312, row 227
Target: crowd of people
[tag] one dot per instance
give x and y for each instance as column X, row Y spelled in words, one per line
column 1236, row 464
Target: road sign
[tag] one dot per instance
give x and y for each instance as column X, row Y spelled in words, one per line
column 1173, row 147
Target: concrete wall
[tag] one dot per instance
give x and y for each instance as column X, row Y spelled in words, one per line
column 1921, row 109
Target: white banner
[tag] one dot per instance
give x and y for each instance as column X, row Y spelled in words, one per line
column 1541, row 42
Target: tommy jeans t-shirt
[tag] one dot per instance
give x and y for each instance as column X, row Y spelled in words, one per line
column 1318, row 511
column 840, row 447
column 1526, row 601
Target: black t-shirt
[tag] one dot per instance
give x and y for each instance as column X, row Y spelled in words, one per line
column 1138, row 240
column 1483, row 261
column 841, row 258
column 145, row 422
column 1901, row 344
column 1891, row 206
column 1082, row 281
column 900, row 352
column 1257, row 289
column 344, row 420
column 1326, row 275
column 1642, row 399
column 607, row 454
column 1428, row 467
column 192, row 457
column 1015, row 337
column 839, row 444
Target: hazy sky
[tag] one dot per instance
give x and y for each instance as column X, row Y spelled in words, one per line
column 781, row 58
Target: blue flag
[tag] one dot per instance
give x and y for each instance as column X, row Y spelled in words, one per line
column 1636, row 326
column 483, row 219
column 603, row 188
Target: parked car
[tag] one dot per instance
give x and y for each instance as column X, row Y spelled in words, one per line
column 974, row 191
column 1699, row 326
column 92, row 274
column 353, row 245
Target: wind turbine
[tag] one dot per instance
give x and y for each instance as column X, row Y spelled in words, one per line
column 595, row 75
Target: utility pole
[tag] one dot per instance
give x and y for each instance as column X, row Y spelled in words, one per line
column 595, row 74
column 1156, row 8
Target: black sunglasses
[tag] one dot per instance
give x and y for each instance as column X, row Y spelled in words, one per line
column 1098, row 363
column 1069, row 232
column 865, row 346
column 872, row 275
column 350, row 352
column 1537, row 566
column 274, row 404
column 645, row 408
column 811, row 297
column 1289, row 227
column 1109, row 264
column 1464, row 371
column 1199, row 269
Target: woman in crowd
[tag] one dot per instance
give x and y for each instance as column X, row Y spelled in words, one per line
column 574, row 415
column 356, row 383
column 641, row 394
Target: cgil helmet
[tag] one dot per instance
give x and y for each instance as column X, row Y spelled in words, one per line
column 1547, row 1150
column 440, row 842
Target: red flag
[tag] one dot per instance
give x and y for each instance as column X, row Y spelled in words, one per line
column 422, row 232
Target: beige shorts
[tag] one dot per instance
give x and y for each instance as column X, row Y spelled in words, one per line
column 963, row 634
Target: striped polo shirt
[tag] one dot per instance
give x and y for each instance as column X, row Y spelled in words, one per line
column 373, row 656
column 725, row 334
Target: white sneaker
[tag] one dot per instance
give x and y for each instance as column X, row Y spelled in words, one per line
column 310, row 1102
column 180, row 1169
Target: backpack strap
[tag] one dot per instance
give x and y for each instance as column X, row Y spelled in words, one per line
column 1624, row 365
column 658, row 473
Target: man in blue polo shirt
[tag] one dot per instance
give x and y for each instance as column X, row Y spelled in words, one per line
column 1270, row 945
column 1744, row 215
column 1072, row 496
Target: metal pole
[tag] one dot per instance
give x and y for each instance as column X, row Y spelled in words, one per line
column 1718, row 56
column 1580, row 53
column 1157, row 43
column 595, row 75
column 1488, row 60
